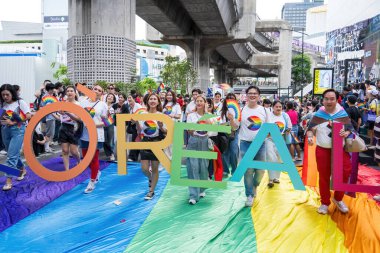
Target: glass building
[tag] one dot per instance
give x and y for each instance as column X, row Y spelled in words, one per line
column 295, row 13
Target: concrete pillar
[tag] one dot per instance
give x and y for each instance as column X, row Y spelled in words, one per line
column 201, row 62
column 285, row 58
column 101, row 43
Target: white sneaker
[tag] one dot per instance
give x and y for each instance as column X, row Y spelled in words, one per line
column 3, row 152
column 192, row 201
column 130, row 160
column 341, row 206
column 112, row 158
column 323, row 209
column 202, row 194
column 98, row 177
column 49, row 150
column 377, row 197
column 90, row 187
column 249, row 201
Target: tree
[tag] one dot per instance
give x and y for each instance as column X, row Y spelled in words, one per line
column 145, row 85
column 61, row 74
column 297, row 70
column 178, row 75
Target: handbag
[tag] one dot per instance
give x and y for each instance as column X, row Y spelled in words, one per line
column 355, row 144
column 371, row 116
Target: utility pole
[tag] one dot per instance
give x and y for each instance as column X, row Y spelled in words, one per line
column 302, row 78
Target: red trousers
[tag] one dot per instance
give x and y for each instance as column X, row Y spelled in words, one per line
column 323, row 156
column 94, row 165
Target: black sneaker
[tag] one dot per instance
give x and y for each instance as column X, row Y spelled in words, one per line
column 149, row 196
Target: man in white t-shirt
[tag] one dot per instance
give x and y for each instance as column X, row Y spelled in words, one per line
column 218, row 104
column 191, row 106
column 253, row 117
column 321, row 125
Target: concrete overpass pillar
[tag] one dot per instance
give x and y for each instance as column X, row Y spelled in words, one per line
column 201, row 62
column 101, row 44
column 285, row 58
column 220, row 75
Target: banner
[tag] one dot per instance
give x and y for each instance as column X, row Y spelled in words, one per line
column 323, row 80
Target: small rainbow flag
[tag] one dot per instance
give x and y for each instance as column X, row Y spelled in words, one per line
column 161, row 87
column 49, row 99
column 107, row 121
column 140, row 111
column 233, row 106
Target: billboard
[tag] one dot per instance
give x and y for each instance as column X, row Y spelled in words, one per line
column 323, row 80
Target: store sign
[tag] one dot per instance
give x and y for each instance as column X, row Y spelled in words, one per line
column 56, row 22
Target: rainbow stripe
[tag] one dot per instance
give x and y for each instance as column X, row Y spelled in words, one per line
column 107, row 121
column 91, row 111
column 140, row 111
column 9, row 113
column 361, row 105
column 161, row 87
column 151, row 127
column 202, row 132
column 280, row 125
column 49, row 99
column 235, row 108
column 255, row 123
column 168, row 110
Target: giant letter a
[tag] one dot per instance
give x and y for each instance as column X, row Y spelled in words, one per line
column 287, row 165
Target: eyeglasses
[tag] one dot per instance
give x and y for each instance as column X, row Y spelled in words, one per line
column 253, row 94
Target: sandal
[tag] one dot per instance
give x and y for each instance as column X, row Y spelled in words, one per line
column 277, row 181
column 270, row 184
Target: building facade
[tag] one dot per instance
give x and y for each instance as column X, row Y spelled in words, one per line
column 295, row 13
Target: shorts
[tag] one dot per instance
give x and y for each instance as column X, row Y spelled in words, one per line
column 66, row 134
column 294, row 135
column 371, row 125
column 50, row 128
column 147, row 154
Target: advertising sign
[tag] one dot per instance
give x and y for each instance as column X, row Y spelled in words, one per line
column 323, row 80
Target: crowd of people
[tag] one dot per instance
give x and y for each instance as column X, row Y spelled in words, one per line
column 298, row 121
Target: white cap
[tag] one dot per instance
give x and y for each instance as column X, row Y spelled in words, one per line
column 374, row 92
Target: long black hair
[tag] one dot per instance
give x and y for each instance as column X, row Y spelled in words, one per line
column 11, row 89
column 224, row 106
column 174, row 101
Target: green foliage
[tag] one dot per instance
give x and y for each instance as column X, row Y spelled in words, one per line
column 102, row 84
column 144, row 85
column 61, row 73
column 19, row 41
column 178, row 75
column 297, row 69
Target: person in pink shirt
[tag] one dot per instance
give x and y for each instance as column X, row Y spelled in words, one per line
column 293, row 115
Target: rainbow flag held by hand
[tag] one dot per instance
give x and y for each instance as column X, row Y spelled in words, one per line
column 161, row 87
column 108, row 121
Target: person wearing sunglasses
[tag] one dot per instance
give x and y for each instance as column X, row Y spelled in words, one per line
column 111, row 89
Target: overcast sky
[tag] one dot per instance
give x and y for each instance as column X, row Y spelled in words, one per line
column 30, row 11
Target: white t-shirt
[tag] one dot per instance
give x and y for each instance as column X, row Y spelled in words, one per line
column 172, row 110
column 283, row 121
column 190, row 107
column 66, row 118
column 251, row 121
column 135, row 108
column 19, row 107
column 218, row 108
column 194, row 118
column 324, row 132
column 150, row 128
column 99, row 110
